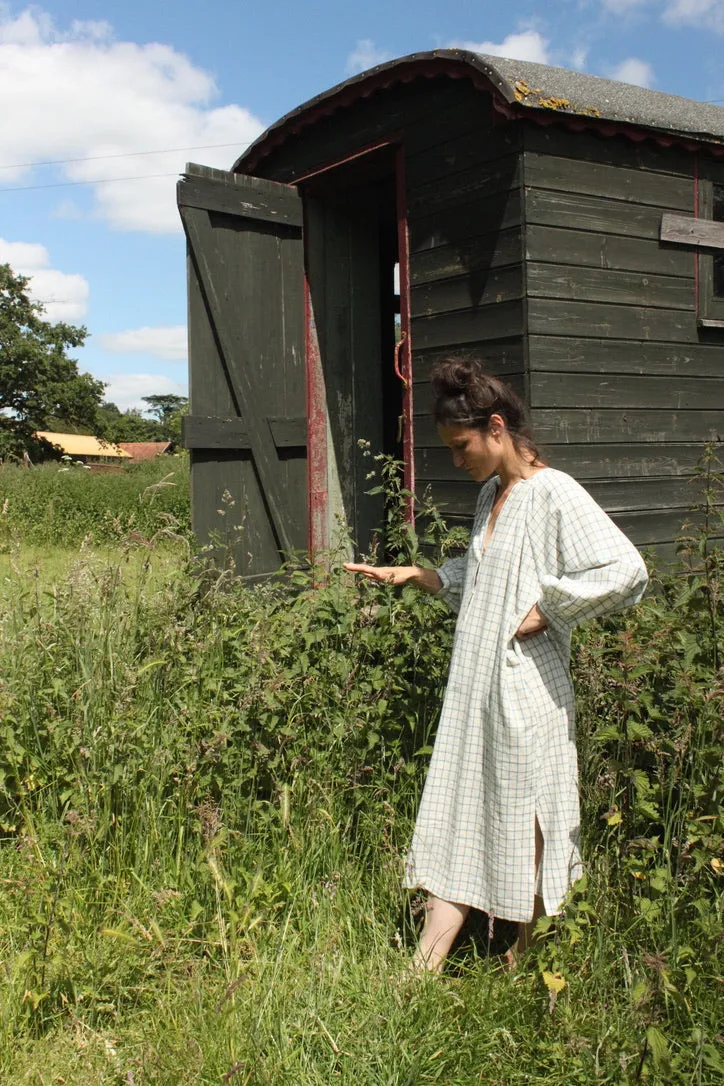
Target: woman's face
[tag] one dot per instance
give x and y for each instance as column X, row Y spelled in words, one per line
column 479, row 452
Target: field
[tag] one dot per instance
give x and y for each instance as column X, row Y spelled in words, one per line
column 206, row 792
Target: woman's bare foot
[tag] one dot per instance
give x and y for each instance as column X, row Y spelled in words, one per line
column 443, row 921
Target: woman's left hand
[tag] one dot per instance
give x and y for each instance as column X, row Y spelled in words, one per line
column 533, row 623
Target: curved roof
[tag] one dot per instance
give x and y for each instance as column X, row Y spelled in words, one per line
column 521, row 86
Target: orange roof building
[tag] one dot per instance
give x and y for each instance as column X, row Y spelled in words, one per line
column 145, row 450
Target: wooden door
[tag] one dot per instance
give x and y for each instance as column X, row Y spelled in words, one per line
column 247, row 424
column 351, row 254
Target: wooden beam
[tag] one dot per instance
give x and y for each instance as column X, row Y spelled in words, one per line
column 209, row 432
column 694, row 233
column 232, row 200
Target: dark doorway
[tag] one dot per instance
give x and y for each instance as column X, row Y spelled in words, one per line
column 352, row 252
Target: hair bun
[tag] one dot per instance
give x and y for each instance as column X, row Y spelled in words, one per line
column 454, row 376
column 465, row 395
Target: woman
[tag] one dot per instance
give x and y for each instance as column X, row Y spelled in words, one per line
column 498, row 824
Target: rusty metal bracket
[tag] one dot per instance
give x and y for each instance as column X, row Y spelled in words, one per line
column 398, row 351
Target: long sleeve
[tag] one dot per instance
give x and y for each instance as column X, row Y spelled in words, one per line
column 586, row 565
column 452, row 575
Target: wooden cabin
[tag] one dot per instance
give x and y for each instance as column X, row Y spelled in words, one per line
column 565, row 228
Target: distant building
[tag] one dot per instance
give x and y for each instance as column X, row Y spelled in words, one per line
column 91, row 450
column 145, row 450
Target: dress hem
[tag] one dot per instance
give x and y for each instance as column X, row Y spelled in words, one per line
column 430, row 887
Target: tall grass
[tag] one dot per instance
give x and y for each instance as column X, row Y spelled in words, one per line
column 61, row 504
column 206, row 792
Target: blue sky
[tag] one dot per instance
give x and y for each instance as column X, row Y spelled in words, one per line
column 101, row 88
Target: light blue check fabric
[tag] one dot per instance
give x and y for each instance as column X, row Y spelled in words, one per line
column 505, row 750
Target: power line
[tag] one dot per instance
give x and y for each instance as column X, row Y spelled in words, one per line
column 123, row 154
column 97, row 181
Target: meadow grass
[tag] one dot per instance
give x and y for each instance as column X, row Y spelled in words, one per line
column 205, row 796
column 62, row 503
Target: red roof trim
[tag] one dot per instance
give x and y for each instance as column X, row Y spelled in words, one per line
column 453, row 65
column 353, row 91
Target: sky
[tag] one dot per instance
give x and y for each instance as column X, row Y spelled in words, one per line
column 104, row 102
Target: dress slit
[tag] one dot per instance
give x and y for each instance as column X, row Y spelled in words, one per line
column 538, row 874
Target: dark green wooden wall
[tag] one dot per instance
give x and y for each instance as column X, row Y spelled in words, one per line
column 464, row 210
column 537, row 248
column 466, row 271
column 624, row 388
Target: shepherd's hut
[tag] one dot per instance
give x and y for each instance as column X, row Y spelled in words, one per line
column 566, row 228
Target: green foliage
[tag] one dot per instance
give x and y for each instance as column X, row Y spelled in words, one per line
column 65, row 503
column 115, row 425
column 37, row 378
column 206, row 791
column 166, row 406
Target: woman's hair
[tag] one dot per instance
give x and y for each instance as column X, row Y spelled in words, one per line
column 465, row 395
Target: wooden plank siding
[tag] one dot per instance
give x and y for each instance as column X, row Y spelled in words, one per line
column 466, row 276
column 537, row 248
column 428, row 113
column 464, row 209
column 623, row 389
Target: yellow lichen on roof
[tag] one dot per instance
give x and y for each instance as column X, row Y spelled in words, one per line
column 554, row 103
column 83, row 445
column 538, row 99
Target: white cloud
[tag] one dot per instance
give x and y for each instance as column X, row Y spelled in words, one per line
column 624, row 7
column 708, row 14
column 65, row 296
column 169, row 344
column 126, row 390
column 365, row 55
column 67, row 209
column 110, row 98
column 526, row 45
column 633, row 70
column 578, row 58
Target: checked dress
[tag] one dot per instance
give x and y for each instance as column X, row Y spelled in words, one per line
column 505, row 750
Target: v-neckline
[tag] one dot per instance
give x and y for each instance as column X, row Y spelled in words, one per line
column 488, row 537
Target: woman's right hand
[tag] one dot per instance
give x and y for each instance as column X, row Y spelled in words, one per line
column 426, row 579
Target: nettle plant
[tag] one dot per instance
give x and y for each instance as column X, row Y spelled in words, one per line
column 650, row 697
column 337, row 675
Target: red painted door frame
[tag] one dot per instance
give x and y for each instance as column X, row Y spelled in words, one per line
column 316, row 399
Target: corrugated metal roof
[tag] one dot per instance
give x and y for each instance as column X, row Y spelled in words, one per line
column 83, row 445
column 521, row 86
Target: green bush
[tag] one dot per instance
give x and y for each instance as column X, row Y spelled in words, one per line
column 63, row 503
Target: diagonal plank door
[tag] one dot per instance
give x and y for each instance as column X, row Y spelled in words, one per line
column 247, row 424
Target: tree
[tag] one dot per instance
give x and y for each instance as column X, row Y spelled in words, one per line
column 38, row 381
column 116, row 425
column 164, row 407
